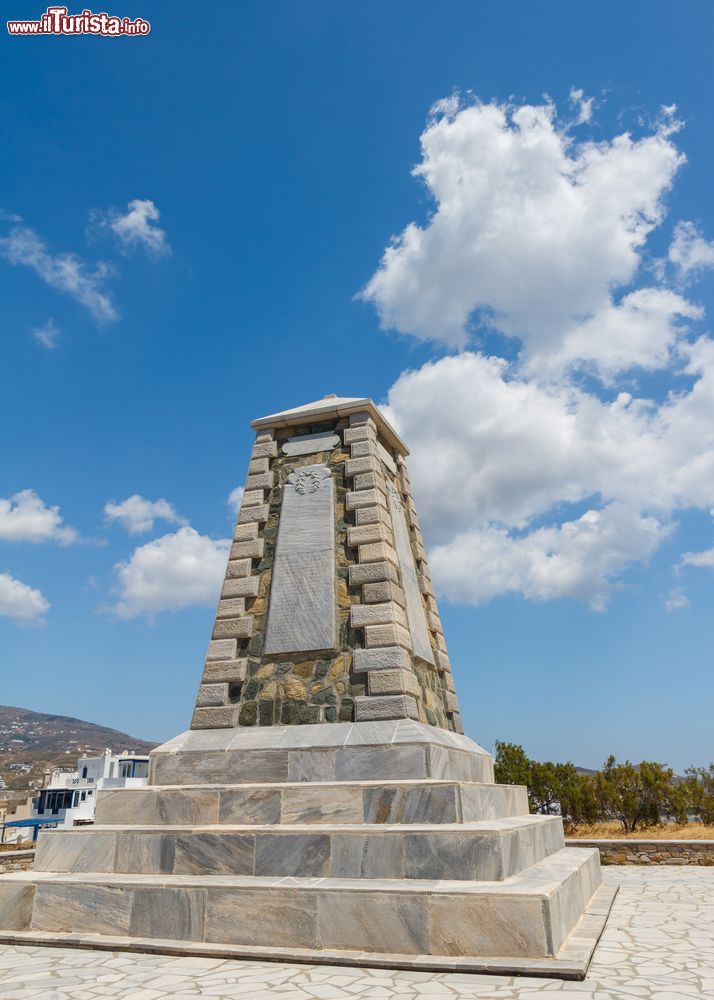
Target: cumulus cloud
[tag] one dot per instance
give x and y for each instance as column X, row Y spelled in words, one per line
column 65, row 272
column 172, row 572
column 703, row 560
column 137, row 514
column 689, row 251
column 574, row 559
column 583, row 105
column 550, row 473
column 234, row 498
column 531, row 230
column 46, row 335
column 137, row 228
column 20, row 603
column 24, row 517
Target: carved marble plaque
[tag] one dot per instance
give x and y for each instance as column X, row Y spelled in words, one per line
column 412, row 592
column 301, row 616
column 310, row 444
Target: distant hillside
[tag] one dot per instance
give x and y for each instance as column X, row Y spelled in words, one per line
column 33, row 742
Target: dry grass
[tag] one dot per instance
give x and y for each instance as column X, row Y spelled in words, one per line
column 667, row 831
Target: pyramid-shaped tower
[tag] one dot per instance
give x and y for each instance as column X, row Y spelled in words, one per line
column 327, row 612
column 325, row 805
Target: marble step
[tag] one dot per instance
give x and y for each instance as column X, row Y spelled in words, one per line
column 487, row 850
column 315, row 803
column 341, row 751
column 529, row 915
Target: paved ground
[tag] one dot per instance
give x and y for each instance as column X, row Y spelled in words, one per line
column 659, row 944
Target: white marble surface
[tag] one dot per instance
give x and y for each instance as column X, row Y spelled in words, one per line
column 658, row 945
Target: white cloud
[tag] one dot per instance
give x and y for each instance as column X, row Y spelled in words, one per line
column 137, row 514
column 171, row 572
column 65, row 272
column 24, row 517
column 19, row 602
column 234, row 498
column 137, row 227
column 703, row 560
column 676, row 600
column 47, row 335
column 582, row 104
column 532, row 230
column 689, row 251
column 574, row 559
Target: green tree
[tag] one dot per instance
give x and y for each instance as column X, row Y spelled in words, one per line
column 698, row 787
column 638, row 795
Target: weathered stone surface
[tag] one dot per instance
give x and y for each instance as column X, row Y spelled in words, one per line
column 231, row 608
column 377, row 552
column 174, row 914
column 364, row 498
column 265, row 449
column 385, row 707
column 377, row 614
column 258, row 465
column 310, row 444
column 252, row 497
column 378, row 532
column 246, row 586
column 372, row 572
column 258, row 512
column 386, row 458
column 393, row 682
column 214, row 718
column 211, row 695
column 245, row 532
column 252, row 549
column 262, row 481
column 238, row 568
column 239, row 628
column 225, row 670
column 353, row 466
column 387, row 635
column 301, row 855
column 302, row 599
column 415, row 606
column 385, row 658
column 376, row 922
column 288, row 916
column 384, row 590
column 221, row 649
column 373, row 515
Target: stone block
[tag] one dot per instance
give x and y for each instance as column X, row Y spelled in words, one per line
column 239, row 628
column 375, row 763
column 211, row 695
column 252, row 497
column 328, row 804
column 245, row 532
column 259, row 512
column 369, row 481
column 214, row 718
column 386, row 457
column 451, row 702
column 362, row 449
column 246, row 586
column 262, row 481
column 256, row 916
column 225, row 670
column 302, row 855
column 442, row 661
column 238, row 568
column 371, row 855
column 361, row 419
column 363, row 432
column 374, row 921
column 252, row 549
column 16, row 901
column 384, row 658
column 364, row 498
column 377, row 552
column 384, row 590
column 311, row 765
column 264, row 435
column 372, row 515
column 434, row 622
column 184, row 806
column 311, row 444
column 386, row 635
column 144, row 853
column 376, row 614
column 70, row 851
column 174, row 913
column 393, row 682
column 246, row 806
column 353, row 466
column 421, row 804
column 82, row 908
column 264, row 449
column 397, row 706
column 258, row 465
column 214, row 853
column 221, row 649
column 366, row 533
column 477, row 925
column 231, row 608
column 372, row 573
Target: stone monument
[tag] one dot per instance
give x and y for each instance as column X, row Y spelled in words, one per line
column 324, row 804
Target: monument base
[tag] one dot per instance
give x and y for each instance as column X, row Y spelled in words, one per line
column 386, row 840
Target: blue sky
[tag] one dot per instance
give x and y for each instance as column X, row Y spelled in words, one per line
column 227, row 188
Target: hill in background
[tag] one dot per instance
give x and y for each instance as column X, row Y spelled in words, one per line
column 33, row 742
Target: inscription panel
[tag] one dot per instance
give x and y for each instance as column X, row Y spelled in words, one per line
column 310, row 444
column 412, row 593
column 301, row 615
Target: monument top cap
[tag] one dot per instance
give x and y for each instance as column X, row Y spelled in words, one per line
column 333, row 406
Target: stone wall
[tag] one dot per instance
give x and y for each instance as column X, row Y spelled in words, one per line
column 16, row 861
column 651, row 852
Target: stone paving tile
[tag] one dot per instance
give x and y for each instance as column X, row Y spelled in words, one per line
column 658, row 945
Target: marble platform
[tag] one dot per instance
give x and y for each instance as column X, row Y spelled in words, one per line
column 370, row 838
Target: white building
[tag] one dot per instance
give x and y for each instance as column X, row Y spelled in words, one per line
column 70, row 797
